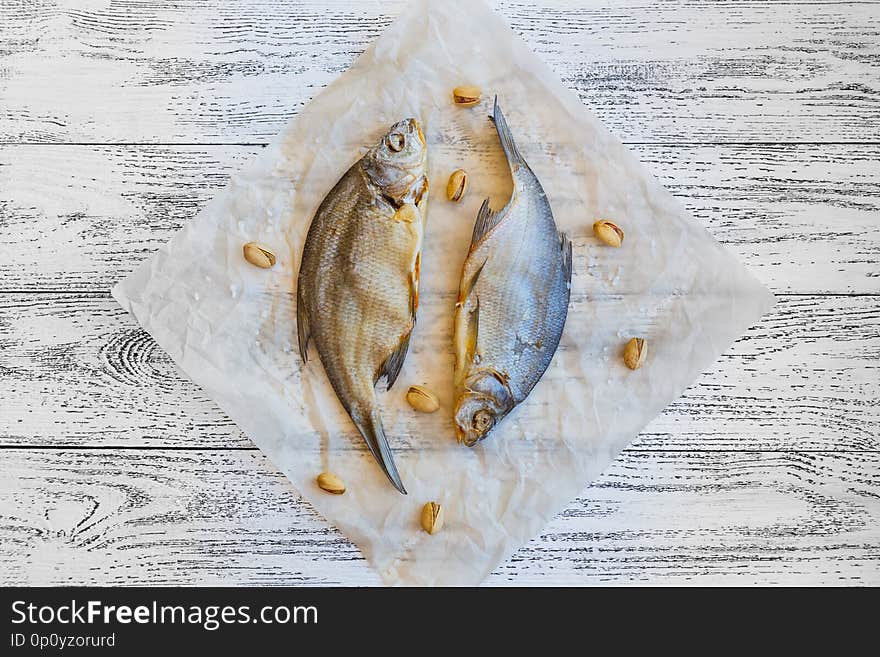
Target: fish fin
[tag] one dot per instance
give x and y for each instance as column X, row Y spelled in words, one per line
column 302, row 324
column 421, row 196
column 486, row 221
column 473, row 332
column 392, row 365
column 473, row 282
column 511, row 152
column 565, row 246
column 414, row 278
column 369, row 425
column 391, row 201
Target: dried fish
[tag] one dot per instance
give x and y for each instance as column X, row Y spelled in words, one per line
column 512, row 301
column 358, row 287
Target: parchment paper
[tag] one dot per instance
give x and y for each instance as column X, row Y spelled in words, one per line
column 231, row 327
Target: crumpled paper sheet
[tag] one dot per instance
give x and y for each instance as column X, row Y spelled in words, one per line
column 231, row 327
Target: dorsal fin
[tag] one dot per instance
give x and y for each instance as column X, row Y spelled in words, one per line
column 486, row 221
column 565, row 246
column 303, row 333
column 391, row 367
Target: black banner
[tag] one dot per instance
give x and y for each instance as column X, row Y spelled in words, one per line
column 166, row 621
column 154, row 620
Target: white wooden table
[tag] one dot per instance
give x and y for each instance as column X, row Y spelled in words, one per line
column 119, row 119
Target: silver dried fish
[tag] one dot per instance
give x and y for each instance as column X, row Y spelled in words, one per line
column 512, row 301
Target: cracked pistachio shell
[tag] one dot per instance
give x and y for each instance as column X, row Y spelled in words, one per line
column 422, row 399
column 466, row 95
column 258, row 255
column 608, row 232
column 432, row 517
column 635, row 352
column 457, row 185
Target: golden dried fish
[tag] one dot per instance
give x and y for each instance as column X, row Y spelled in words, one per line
column 358, row 286
column 512, row 301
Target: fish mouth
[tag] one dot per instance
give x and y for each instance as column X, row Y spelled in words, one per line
column 470, row 441
column 466, row 438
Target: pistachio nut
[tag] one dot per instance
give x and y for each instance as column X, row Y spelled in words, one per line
column 466, row 95
column 422, row 399
column 258, row 255
column 635, row 352
column 329, row 482
column 608, row 232
column 457, row 185
column 432, row 517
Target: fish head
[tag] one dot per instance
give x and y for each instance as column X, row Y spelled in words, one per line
column 397, row 163
column 485, row 401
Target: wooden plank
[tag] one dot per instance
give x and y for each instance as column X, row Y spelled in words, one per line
column 170, row 517
column 803, row 218
column 76, row 370
column 213, row 71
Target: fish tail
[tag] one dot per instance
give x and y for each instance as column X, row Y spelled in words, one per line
column 369, row 424
column 507, row 143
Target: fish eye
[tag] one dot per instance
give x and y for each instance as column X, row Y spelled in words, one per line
column 395, row 141
column 483, row 421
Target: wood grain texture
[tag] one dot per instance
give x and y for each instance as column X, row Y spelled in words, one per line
column 212, row 71
column 229, row 518
column 76, row 370
column 805, row 219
